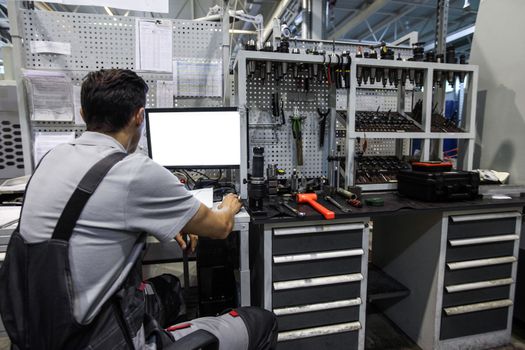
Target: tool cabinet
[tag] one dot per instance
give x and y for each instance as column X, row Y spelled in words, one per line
column 313, row 277
column 461, row 269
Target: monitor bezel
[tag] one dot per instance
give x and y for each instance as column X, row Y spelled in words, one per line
column 195, row 109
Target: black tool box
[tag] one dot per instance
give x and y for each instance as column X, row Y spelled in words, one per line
column 438, row 187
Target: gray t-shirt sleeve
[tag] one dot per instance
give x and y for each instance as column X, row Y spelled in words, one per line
column 157, row 202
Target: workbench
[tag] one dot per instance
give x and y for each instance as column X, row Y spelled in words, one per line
column 457, row 260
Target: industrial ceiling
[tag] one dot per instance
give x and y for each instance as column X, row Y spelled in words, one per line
column 363, row 20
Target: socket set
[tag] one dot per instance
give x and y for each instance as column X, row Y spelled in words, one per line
column 442, row 124
column 378, row 169
column 375, row 121
column 439, row 123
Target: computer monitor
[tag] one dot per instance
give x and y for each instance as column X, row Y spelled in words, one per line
column 194, row 137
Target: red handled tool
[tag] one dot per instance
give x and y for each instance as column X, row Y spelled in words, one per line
column 311, row 199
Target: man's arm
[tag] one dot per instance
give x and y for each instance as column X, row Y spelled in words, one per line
column 216, row 223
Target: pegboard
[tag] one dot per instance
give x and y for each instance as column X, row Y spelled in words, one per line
column 266, row 130
column 385, row 99
column 97, row 41
column 104, row 42
column 11, row 154
column 100, row 41
column 197, row 40
column 383, row 147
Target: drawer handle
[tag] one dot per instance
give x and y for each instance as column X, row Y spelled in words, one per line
column 318, row 281
column 317, row 331
column 478, row 285
column 292, row 310
column 482, row 240
column 489, row 305
column 317, row 229
column 480, row 263
column 491, row 216
column 317, row 256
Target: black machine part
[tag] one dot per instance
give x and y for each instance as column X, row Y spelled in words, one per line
column 257, row 190
column 438, row 187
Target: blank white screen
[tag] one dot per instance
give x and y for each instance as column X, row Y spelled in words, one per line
column 198, row 139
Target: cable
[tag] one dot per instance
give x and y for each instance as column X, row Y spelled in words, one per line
column 200, row 173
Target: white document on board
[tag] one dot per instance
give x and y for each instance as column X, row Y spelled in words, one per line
column 154, row 45
column 46, row 141
column 198, row 79
column 165, row 93
column 52, row 47
column 50, row 95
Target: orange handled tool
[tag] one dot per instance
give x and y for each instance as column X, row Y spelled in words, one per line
column 311, row 199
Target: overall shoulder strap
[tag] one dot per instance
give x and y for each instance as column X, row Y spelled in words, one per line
column 89, row 183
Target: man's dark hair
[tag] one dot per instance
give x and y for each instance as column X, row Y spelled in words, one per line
column 110, row 97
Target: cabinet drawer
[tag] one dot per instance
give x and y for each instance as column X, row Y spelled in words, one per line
column 478, row 274
column 318, row 318
column 472, row 323
column 315, row 268
column 481, row 225
column 336, row 341
column 317, row 238
column 317, row 294
column 476, row 296
column 480, row 251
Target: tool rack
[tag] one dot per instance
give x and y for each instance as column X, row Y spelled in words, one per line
column 253, row 99
column 401, row 141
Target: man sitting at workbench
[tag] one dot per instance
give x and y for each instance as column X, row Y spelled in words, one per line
column 72, row 275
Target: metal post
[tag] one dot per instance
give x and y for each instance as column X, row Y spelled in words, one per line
column 318, row 19
column 306, row 26
column 241, row 98
column 436, row 149
column 226, row 89
column 18, row 64
column 350, row 127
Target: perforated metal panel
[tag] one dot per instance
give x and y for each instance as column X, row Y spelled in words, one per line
column 97, row 41
column 385, row 99
column 103, row 42
column 11, row 155
column 379, row 147
column 197, row 40
column 276, row 139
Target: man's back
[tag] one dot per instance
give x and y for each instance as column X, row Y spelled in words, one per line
column 136, row 196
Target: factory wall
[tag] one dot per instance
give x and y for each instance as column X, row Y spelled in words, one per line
column 499, row 50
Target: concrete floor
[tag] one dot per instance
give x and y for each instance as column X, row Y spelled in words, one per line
column 382, row 334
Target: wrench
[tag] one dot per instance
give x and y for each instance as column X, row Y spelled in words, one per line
column 339, row 206
column 298, row 213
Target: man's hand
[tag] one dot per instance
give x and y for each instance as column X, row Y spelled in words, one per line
column 181, row 239
column 231, row 202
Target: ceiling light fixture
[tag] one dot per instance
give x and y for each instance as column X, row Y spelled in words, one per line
column 108, row 10
column 466, row 4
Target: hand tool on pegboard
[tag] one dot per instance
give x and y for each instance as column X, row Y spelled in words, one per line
column 297, row 122
column 322, row 125
column 347, row 64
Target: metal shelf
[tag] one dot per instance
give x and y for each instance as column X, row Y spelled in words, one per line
column 466, row 140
